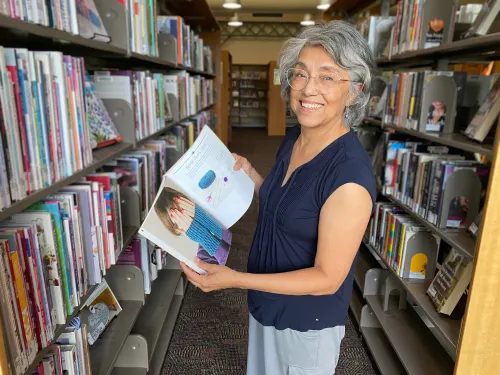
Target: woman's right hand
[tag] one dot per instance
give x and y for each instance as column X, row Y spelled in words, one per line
column 242, row 163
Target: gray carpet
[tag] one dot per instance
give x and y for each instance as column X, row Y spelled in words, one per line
column 210, row 337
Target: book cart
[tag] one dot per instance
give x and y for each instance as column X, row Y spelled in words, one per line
column 397, row 319
column 136, row 341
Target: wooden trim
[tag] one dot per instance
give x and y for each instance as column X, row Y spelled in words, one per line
column 276, row 107
column 479, row 345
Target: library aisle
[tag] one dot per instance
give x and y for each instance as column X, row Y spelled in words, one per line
column 202, row 338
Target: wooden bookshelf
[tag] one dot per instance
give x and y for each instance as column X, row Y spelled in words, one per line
column 249, row 81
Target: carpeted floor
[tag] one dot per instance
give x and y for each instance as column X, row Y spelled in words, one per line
column 210, row 337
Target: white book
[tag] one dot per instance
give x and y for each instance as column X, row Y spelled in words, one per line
column 18, row 178
column 57, row 67
column 43, row 58
column 19, row 56
column 200, row 198
column 42, row 124
column 89, row 234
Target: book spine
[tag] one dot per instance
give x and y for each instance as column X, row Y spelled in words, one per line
column 11, row 320
column 4, row 162
column 24, row 142
column 22, row 304
column 79, row 238
column 33, row 286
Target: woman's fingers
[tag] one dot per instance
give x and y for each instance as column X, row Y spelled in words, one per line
column 186, row 207
column 180, row 220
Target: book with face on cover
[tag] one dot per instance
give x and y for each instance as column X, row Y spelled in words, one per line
column 200, row 198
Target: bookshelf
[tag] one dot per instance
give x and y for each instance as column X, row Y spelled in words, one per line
column 130, row 345
column 407, row 340
column 249, row 93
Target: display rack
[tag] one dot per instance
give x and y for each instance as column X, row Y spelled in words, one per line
column 249, row 93
column 128, row 346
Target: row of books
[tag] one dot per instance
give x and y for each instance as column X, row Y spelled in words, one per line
column 414, row 253
column 154, row 98
column 392, row 233
column 70, row 355
column 191, row 51
column 43, row 120
column 409, row 248
column 67, row 15
column 438, row 101
column 53, row 114
column 142, row 25
column 250, row 75
column 416, row 174
column 422, row 24
column 150, row 259
column 51, row 253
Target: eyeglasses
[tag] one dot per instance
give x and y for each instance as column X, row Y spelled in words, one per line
column 325, row 82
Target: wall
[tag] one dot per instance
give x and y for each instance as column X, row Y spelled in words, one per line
column 253, row 51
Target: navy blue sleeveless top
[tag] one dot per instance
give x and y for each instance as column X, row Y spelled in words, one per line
column 286, row 237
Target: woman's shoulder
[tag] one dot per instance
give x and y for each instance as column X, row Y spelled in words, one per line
column 353, row 165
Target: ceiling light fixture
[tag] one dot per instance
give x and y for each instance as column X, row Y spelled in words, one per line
column 307, row 21
column 232, row 4
column 323, row 4
column 234, row 21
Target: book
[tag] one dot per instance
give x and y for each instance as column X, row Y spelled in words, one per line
column 450, row 282
column 488, row 112
column 200, row 198
column 101, row 308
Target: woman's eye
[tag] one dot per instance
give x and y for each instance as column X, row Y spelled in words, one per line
column 328, row 78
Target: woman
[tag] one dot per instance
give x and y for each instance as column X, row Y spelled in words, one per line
column 314, row 208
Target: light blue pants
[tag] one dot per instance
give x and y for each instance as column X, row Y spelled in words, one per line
column 289, row 352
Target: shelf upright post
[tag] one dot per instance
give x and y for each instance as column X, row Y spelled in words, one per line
column 479, row 341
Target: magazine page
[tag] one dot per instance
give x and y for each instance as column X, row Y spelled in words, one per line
column 177, row 224
column 206, row 174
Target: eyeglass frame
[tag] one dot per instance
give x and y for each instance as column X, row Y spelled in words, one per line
column 315, row 79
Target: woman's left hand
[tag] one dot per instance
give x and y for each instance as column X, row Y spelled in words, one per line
column 217, row 277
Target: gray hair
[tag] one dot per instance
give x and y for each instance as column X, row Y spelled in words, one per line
column 349, row 50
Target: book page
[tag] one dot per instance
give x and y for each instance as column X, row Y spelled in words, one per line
column 206, row 174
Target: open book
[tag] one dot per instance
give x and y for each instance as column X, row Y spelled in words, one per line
column 200, row 198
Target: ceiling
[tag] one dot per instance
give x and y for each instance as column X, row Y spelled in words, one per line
column 285, row 10
column 288, row 6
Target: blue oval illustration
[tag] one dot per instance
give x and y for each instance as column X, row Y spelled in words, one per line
column 207, row 180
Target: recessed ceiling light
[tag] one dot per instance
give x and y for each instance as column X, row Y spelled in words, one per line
column 324, row 4
column 307, row 21
column 232, row 4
